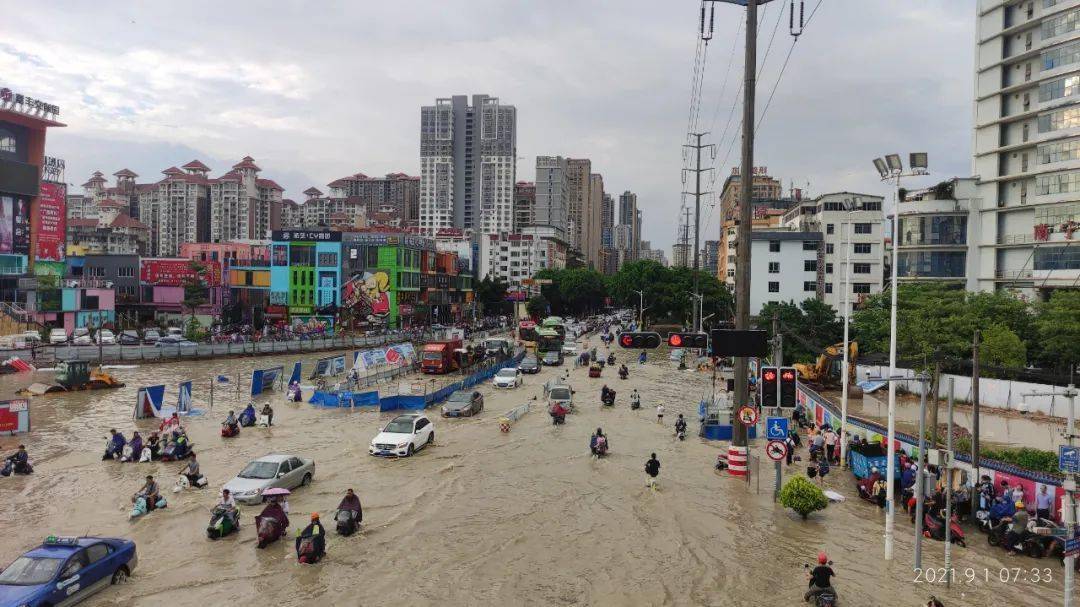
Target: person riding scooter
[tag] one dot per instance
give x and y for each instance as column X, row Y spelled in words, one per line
column 624, row 372
column 230, row 427
column 820, row 578
column 270, row 524
column 19, row 462
column 247, row 416
column 558, row 414
column 598, row 443
column 611, row 359
column 115, row 447
column 313, row 540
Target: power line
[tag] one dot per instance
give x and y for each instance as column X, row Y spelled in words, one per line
column 784, row 66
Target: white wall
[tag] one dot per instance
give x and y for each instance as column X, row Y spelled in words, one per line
column 995, row 393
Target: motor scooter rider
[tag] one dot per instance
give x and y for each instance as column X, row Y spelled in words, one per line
column 820, row 578
column 115, row 446
column 274, row 510
column 315, row 531
column 228, row 503
column 624, row 372
column 149, row 491
column 351, row 503
column 1017, row 528
column 247, row 416
column 231, row 421
column 20, row 461
column 598, row 443
column 191, row 470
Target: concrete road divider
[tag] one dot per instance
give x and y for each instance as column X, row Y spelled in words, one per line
column 512, row 416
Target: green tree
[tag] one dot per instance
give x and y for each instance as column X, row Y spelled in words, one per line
column 807, row 328
column 537, row 306
column 1058, row 327
column 802, row 496
column 195, row 290
column 1001, row 347
column 668, row 292
column 491, row 293
column 573, row 291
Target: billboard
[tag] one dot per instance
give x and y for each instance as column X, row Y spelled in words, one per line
column 14, row 230
column 51, row 222
column 14, row 416
column 174, row 272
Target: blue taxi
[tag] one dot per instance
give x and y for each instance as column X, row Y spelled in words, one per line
column 66, row 570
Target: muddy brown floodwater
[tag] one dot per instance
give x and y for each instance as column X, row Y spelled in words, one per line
column 483, row 517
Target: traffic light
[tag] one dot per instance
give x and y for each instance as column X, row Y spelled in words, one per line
column 688, row 340
column 640, row 341
column 788, row 379
column 767, row 386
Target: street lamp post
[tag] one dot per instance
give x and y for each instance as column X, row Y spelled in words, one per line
column 844, row 372
column 641, row 310
column 891, row 169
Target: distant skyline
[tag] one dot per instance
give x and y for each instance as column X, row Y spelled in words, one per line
column 312, row 97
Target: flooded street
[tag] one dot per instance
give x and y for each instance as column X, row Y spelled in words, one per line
column 483, row 517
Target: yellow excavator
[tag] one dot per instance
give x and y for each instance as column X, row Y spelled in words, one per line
column 828, row 369
column 72, row 375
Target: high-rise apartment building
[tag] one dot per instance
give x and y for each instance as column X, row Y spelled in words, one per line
column 765, row 188
column 243, row 206
column 710, row 257
column 524, row 205
column 630, row 216
column 591, row 230
column 1027, row 145
column 577, row 199
column 396, row 195
column 467, row 164
column 552, row 192
column 607, row 222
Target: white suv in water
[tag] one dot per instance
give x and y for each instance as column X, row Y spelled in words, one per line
column 404, row 435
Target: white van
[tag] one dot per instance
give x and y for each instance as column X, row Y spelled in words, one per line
column 58, row 336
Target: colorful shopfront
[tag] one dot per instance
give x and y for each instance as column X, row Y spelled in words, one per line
column 384, row 282
column 305, row 277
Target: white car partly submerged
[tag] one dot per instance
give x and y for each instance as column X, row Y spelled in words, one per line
column 403, row 436
column 509, row 377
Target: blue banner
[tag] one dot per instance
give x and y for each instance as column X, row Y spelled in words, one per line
column 183, row 401
column 295, row 378
column 148, row 402
column 264, row 379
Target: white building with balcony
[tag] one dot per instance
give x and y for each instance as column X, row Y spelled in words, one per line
column 1027, row 145
column 938, row 236
column 785, row 266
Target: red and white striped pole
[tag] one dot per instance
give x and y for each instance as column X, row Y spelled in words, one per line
column 737, row 460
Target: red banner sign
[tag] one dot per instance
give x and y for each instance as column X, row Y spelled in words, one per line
column 51, row 222
column 175, row 272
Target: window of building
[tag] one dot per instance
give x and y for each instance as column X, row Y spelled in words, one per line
column 829, row 228
column 774, row 267
column 809, row 286
column 1060, row 24
column 828, row 268
column 1059, row 119
column 373, row 257
column 774, row 287
column 860, row 268
column 1059, row 183
column 125, row 272
column 7, row 142
column 809, row 245
column 774, row 246
column 1057, row 89
column 1062, row 55
column 828, row 287
column 828, row 248
column 860, row 287
column 864, row 228
column 861, row 248
column 810, row 265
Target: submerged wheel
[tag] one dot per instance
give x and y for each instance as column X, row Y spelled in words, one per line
column 410, row 451
column 430, row 438
column 304, row 482
column 120, row 576
column 1035, row 550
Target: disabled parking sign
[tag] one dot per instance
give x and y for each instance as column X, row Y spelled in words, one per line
column 776, row 428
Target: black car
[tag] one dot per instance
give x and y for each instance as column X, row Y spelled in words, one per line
column 529, row 364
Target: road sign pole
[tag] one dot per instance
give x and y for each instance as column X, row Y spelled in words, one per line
column 779, row 471
column 1069, row 511
column 948, row 489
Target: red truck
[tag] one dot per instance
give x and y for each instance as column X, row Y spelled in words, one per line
column 440, row 357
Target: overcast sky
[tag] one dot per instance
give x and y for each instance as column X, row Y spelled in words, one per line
column 316, row 92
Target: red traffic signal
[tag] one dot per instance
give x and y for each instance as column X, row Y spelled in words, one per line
column 640, row 341
column 768, row 387
column 788, row 386
column 688, row 340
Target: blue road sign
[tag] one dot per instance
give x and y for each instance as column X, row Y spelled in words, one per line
column 1068, row 459
column 1072, row 546
column 776, row 428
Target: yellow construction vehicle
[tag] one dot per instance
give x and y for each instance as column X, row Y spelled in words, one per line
column 74, row 375
column 827, row 371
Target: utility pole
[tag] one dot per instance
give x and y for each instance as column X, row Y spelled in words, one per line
column 975, row 421
column 778, row 360
column 920, row 475
column 738, row 449
column 948, row 487
column 697, row 208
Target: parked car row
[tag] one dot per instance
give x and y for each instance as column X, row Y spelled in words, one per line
column 82, row 336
